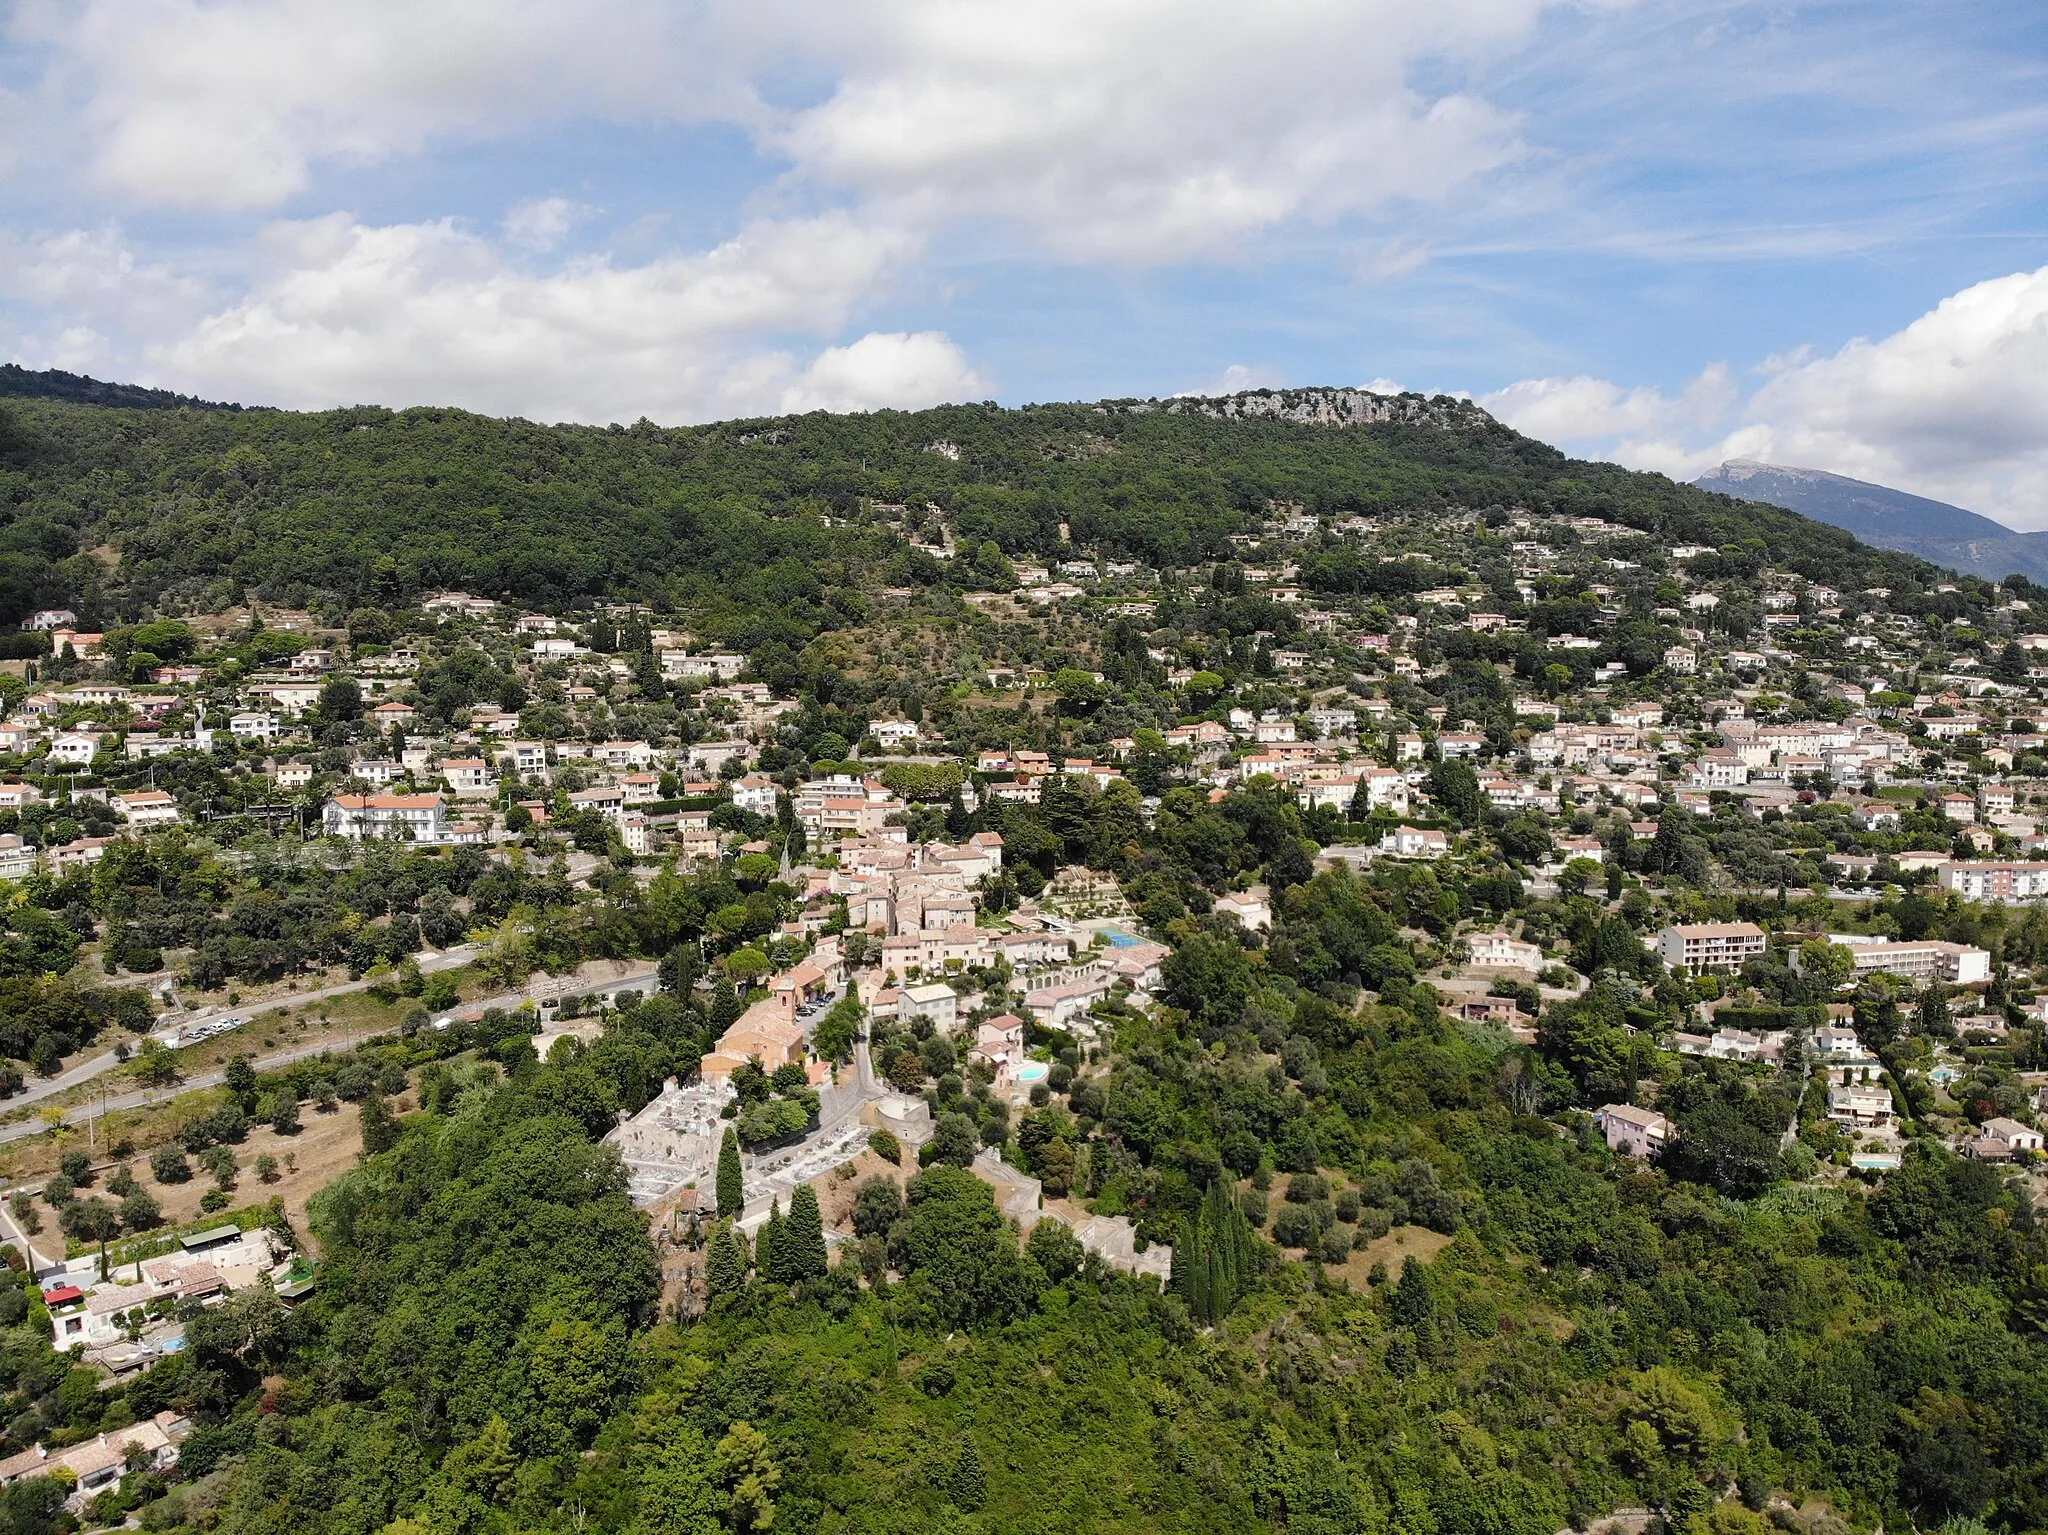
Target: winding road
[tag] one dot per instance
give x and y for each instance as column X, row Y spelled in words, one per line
column 142, row 1097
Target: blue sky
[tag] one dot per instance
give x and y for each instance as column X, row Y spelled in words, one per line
column 1662, row 232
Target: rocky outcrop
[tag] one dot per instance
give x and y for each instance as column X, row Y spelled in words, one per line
column 1322, row 407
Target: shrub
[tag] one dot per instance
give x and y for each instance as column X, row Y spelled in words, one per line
column 877, row 1204
column 1056, row 1250
column 1336, row 1245
column 168, row 1165
column 139, row 1212
column 1347, row 1207
column 1306, row 1188
column 219, row 1163
column 1297, row 1226
column 23, row 1209
column 214, row 1199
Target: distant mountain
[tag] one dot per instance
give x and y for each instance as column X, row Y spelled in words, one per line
column 56, row 384
column 1891, row 519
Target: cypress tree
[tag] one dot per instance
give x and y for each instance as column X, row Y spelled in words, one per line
column 731, row 1194
column 803, row 1236
column 725, row 1266
column 380, row 1128
column 770, row 1248
column 1414, row 1297
column 1216, row 1257
column 968, row 1485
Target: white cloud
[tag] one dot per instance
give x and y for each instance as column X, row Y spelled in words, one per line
column 73, row 292
column 1574, row 409
column 540, row 223
column 1954, row 406
column 1236, row 379
column 1958, row 399
column 889, row 370
column 1138, row 130
column 434, row 314
column 1146, row 130
column 1130, row 130
column 229, row 103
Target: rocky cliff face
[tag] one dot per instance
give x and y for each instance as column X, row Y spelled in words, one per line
column 1324, row 407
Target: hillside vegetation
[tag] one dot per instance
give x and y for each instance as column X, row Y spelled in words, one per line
column 1421, row 1279
column 120, row 511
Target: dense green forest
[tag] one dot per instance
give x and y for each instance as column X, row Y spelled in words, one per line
column 480, row 1356
column 486, row 1351
column 764, row 522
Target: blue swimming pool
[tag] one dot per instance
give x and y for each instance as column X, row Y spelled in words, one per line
column 1032, row 1071
column 1118, row 939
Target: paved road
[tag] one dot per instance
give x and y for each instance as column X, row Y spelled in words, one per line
column 773, row 1178
column 85, row 1071
column 37, row 1261
column 141, row 1097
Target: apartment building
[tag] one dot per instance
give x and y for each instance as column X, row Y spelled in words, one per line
column 1703, row 946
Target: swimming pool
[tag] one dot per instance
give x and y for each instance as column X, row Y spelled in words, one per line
column 1032, row 1071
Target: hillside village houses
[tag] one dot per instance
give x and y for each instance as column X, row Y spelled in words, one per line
column 1848, row 763
column 1564, row 759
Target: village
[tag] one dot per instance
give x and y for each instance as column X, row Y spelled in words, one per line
column 1782, row 749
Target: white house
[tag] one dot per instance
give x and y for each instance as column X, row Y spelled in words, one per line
column 936, row 1001
column 2017, row 1136
column 1415, row 842
column 467, row 775
column 755, row 792
column 1063, row 1007
column 1000, row 1041
column 406, row 817
column 1632, row 1131
column 17, row 858
column 146, row 808
column 1252, row 908
column 76, row 747
column 1497, row 951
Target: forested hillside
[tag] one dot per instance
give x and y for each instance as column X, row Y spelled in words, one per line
column 118, row 511
column 1372, row 1043
column 1589, row 1335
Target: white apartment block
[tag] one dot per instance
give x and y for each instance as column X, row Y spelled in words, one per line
column 1704, row 946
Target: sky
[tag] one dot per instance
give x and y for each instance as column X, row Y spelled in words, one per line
column 1666, row 232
